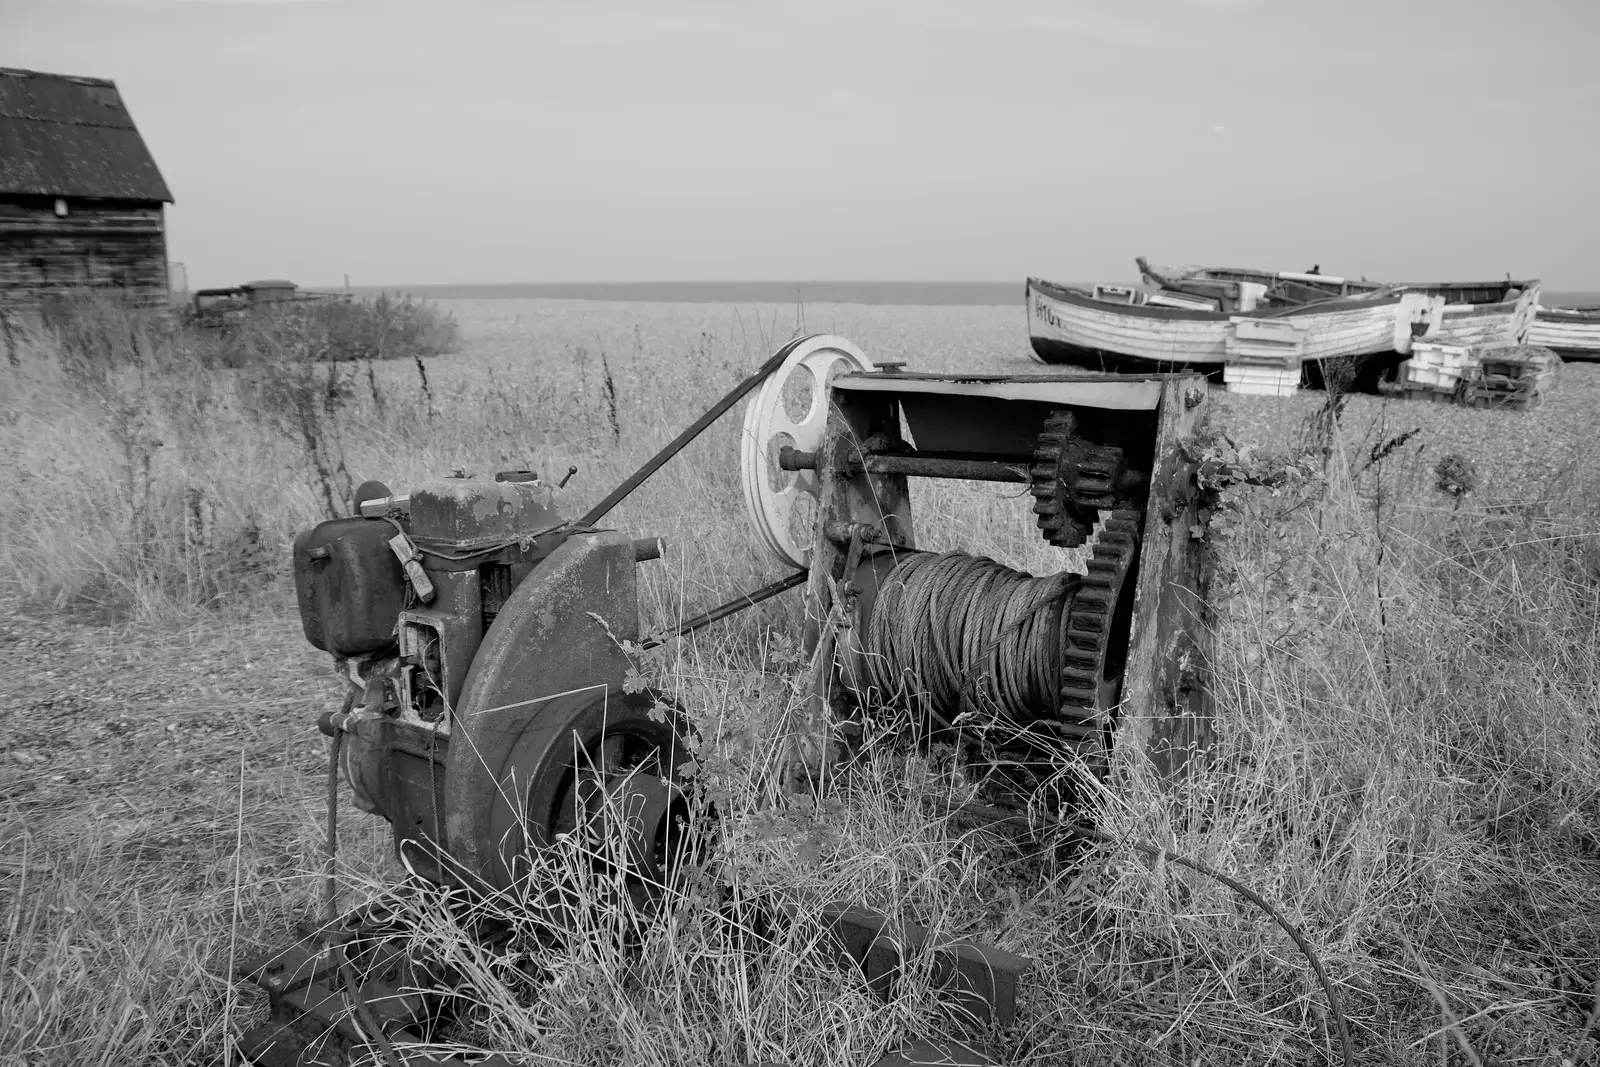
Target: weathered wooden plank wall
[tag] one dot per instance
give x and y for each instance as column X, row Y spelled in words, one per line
column 120, row 247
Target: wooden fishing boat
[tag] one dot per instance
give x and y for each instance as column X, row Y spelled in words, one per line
column 1572, row 333
column 1245, row 289
column 1484, row 313
column 1115, row 328
column 1470, row 313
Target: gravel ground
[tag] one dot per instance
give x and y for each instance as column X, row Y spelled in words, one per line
column 116, row 731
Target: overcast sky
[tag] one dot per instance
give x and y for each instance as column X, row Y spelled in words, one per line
column 503, row 141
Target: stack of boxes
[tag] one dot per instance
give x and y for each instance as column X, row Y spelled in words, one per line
column 1263, row 357
column 1435, row 371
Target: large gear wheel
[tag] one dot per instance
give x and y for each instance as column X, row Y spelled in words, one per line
column 1095, row 632
column 1072, row 481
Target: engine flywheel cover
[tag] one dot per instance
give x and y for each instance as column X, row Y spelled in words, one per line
column 604, row 770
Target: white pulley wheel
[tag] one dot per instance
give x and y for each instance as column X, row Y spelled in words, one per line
column 791, row 408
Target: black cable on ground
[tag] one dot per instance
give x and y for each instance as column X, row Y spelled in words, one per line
column 1094, row 834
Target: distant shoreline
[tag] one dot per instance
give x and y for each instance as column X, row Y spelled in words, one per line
column 927, row 294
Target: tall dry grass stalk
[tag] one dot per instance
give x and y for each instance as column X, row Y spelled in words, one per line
column 1408, row 759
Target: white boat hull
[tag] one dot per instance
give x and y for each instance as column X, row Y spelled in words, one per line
column 1472, row 313
column 1488, row 324
column 1066, row 327
column 1573, row 336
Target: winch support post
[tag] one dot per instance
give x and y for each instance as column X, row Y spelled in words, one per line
column 1166, row 705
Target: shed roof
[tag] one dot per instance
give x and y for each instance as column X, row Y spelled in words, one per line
column 62, row 135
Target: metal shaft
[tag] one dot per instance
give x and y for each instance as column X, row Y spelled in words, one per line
column 921, row 465
column 766, row 592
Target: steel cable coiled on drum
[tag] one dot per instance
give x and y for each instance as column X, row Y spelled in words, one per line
column 964, row 633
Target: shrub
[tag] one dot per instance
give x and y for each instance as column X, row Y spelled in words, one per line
column 337, row 330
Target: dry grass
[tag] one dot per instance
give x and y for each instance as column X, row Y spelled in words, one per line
column 1409, row 760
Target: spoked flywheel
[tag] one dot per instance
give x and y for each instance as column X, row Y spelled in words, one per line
column 791, row 409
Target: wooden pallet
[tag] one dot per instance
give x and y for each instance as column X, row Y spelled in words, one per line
column 1500, row 380
column 1520, row 400
column 1426, row 394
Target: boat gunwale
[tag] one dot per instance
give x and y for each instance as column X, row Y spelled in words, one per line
column 1444, row 289
column 1462, row 311
column 1573, row 315
column 1332, row 306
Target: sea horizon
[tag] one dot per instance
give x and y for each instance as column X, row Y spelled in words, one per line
column 932, row 294
column 724, row 292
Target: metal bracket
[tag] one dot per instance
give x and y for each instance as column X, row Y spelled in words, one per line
column 411, row 560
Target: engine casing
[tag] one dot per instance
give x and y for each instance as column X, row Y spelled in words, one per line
column 477, row 540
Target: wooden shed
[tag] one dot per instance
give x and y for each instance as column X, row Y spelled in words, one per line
column 81, row 200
